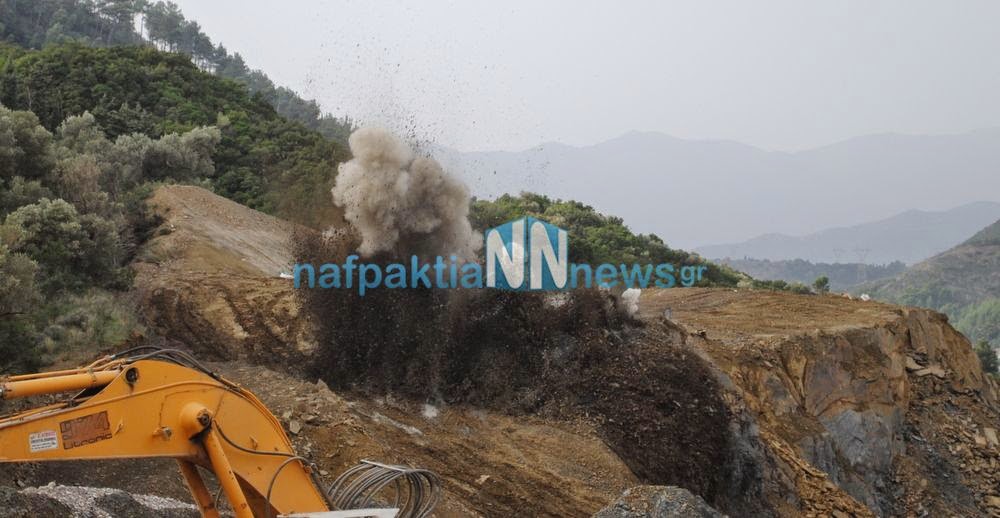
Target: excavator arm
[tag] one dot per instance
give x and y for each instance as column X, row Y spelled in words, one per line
column 164, row 404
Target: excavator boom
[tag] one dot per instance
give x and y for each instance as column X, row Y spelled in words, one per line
column 165, row 404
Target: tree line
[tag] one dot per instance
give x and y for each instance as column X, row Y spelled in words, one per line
column 841, row 276
column 263, row 160
column 39, row 23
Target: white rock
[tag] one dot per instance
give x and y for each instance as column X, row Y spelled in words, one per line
column 630, row 301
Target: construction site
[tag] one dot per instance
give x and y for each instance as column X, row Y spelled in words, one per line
column 752, row 402
column 518, row 259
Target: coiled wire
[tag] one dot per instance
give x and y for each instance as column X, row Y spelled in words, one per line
column 417, row 491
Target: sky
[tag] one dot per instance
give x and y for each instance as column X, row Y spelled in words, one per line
column 486, row 75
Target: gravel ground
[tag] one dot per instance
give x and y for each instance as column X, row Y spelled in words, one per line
column 94, row 502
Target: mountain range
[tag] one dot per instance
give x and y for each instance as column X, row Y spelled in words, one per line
column 698, row 192
column 910, row 237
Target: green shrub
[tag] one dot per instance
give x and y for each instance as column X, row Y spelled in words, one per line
column 19, row 297
column 987, row 357
column 72, row 251
column 775, row 285
column 19, row 350
column 801, row 289
column 18, row 290
column 25, row 146
column 95, row 320
column 21, row 192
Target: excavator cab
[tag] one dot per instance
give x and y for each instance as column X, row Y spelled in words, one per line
column 158, row 403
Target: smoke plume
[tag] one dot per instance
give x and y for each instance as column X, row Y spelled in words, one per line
column 402, row 204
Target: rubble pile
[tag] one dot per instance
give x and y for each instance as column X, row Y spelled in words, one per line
column 953, row 448
column 658, row 502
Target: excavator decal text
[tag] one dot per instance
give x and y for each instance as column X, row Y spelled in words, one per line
column 43, row 441
column 85, row 430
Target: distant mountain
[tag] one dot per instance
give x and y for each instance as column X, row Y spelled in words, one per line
column 842, row 276
column 694, row 193
column 909, row 237
column 963, row 282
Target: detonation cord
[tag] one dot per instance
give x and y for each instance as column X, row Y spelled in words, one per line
column 270, row 487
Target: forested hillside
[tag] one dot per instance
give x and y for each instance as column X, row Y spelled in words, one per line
column 85, row 134
column 963, row 282
column 39, row 23
column 72, row 215
column 263, row 160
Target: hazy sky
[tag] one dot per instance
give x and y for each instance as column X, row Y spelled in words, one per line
column 782, row 75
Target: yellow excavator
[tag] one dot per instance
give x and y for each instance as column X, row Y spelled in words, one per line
column 162, row 403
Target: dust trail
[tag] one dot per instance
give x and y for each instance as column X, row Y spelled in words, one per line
column 402, row 204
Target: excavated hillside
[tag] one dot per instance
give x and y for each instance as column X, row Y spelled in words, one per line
column 763, row 404
column 886, row 402
column 211, row 279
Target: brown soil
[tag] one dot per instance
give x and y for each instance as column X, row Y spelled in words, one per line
column 492, row 464
column 210, row 279
column 741, row 316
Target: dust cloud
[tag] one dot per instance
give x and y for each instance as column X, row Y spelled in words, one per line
column 564, row 356
column 400, row 203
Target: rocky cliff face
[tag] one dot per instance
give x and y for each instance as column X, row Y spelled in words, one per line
column 889, row 403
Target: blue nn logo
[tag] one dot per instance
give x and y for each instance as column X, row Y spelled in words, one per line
column 527, row 254
column 523, row 254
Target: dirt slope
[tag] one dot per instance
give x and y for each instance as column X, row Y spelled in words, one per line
column 491, row 464
column 210, row 278
column 209, row 233
column 837, row 407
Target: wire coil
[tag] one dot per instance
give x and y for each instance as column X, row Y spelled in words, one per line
column 417, row 491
